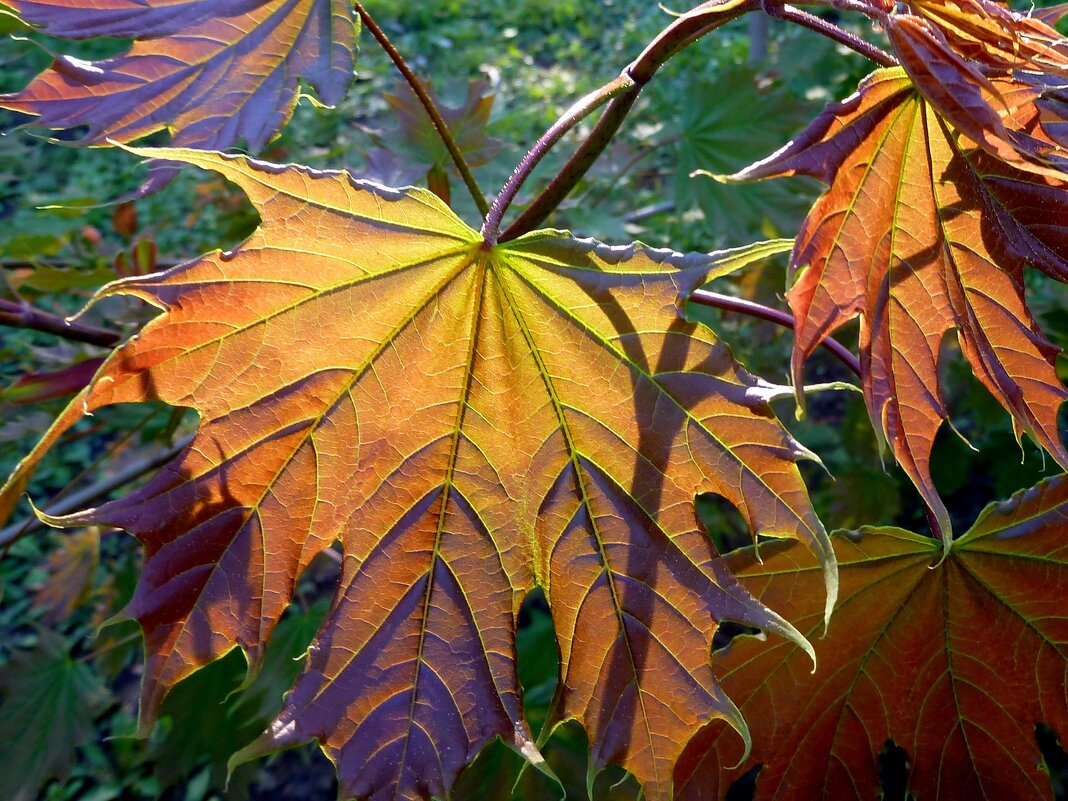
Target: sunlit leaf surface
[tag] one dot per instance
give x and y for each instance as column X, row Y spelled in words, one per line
column 922, row 233
column 215, row 73
column 468, row 421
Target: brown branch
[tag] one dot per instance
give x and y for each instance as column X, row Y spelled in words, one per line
column 762, row 312
column 429, row 106
column 95, row 491
column 22, row 315
column 675, row 37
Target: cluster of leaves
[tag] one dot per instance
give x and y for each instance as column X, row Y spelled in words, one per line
column 462, row 421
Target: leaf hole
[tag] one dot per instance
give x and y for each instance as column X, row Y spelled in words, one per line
column 894, row 772
column 538, row 658
column 744, row 787
column 1054, row 759
column 723, row 522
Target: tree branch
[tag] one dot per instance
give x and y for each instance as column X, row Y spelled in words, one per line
column 428, row 104
column 23, row 315
column 624, row 84
column 675, row 37
column 762, row 312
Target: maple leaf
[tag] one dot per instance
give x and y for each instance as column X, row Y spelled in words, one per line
column 47, row 704
column 956, row 663
column 417, row 138
column 921, row 233
column 418, row 141
column 728, row 121
column 213, row 72
column 71, row 569
column 468, row 421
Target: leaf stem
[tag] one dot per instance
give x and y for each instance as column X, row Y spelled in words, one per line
column 583, row 107
column 22, row 315
column 762, row 312
column 622, row 93
column 429, row 106
column 833, row 32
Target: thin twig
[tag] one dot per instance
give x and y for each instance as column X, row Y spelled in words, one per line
column 111, row 646
column 570, row 118
column 23, row 315
column 835, row 33
column 762, row 312
column 675, row 37
column 428, row 104
column 95, row 491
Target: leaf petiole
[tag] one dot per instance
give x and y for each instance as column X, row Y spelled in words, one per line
column 428, row 104
column 833, row 32
column 681, row 33
column 762, row 312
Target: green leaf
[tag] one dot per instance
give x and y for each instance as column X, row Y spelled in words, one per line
column 47, row 705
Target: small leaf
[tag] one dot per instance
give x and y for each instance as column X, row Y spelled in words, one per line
column 71, row 569
column 47, row 705
column 40, row 387
column 469, row 421
column 417, row 139
column 955, row 663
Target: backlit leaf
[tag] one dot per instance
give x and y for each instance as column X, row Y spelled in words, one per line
column 215, row 73
column 468, row 421
column 990, row 72
column 418, row 139
column 955, row 664
column 921, row 233
column 47, row 704
column 39, row 387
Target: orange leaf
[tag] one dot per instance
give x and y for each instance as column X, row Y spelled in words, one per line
column 214, row 72
column 468, row 421
column 922, row 233
column 955, row 664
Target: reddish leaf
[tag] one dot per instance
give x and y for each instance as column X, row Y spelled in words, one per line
column 1051, row 15
column 954, row 664
column 985, row 67
column 468, row 421
column 922, row 233
column 124, row 219
column 991, row 34
column 71, row 569
column 214, row 72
